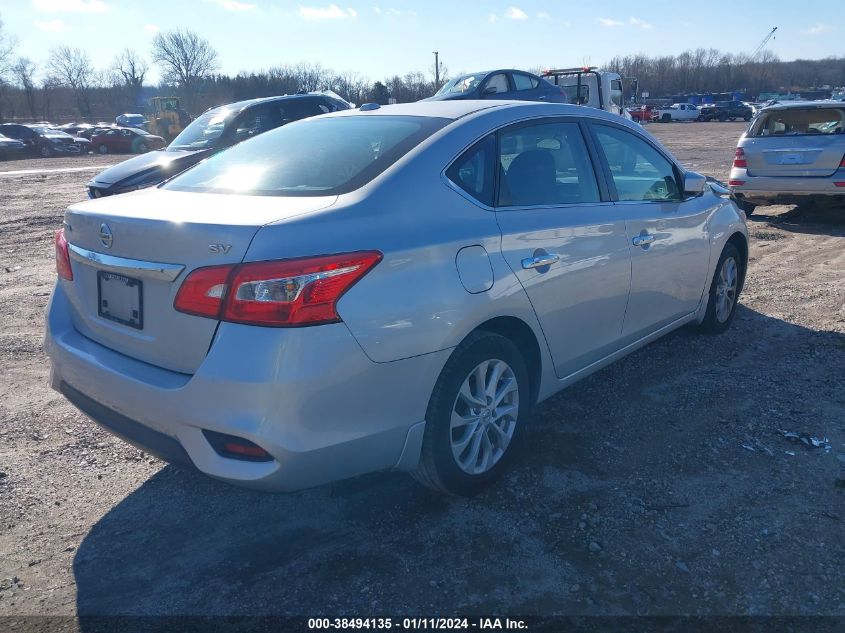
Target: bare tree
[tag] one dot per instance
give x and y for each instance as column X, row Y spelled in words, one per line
column 24, row 73
column 71, row 67
column 7, row 51
column 186, row 59
column 131, row 69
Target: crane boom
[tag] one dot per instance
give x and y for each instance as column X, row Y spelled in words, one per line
column 763, row 43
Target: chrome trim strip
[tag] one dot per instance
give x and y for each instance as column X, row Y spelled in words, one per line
column 123, row 266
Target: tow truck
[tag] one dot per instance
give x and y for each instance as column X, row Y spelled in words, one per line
column 591, row 87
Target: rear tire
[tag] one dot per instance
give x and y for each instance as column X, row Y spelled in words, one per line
column 475, row 416
column 103, row 148
column 666, row 118
column 45, row 151
column 724, row 291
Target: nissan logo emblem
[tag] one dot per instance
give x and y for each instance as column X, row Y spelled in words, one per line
column 106, row 237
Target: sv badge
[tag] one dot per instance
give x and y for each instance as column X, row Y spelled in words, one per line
column 220, row 249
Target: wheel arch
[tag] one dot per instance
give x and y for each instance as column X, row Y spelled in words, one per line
column 520, row 334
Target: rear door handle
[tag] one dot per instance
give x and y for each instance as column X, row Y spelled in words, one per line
column 643, row 240
column 540, row 260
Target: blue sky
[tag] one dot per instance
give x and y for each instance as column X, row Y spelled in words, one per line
column 386, row 37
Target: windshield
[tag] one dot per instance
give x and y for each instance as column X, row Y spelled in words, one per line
column 458, row 85
column 204, row 131
column 800, row 122
column 312, row 157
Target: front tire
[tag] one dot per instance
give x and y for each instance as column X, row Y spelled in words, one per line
column 475, row 416
column 45, row 151
column 724, row 291
column 103, row 148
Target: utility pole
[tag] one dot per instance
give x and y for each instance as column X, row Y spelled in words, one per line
column 436, row 70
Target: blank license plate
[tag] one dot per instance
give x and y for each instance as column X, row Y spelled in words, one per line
column 120, row 299
column 791, row 159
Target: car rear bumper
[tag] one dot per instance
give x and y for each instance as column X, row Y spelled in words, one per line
column 764, row 190
column 310, row 397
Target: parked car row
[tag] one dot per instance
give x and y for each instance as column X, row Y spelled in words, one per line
column 44, row 140
column 719, row 111
column 41, row 140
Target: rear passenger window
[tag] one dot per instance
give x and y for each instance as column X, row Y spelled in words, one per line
column 524, row 82
column 474, row 170
column 639, row 171
column 545, row 164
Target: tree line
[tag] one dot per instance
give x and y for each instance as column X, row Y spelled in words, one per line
column 703, row 71
column 68, row 85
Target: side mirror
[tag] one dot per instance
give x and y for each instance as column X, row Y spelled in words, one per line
column 718, row 187
column 694, row 184
column 489, row 90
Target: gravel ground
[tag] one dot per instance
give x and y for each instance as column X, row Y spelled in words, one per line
column 660, row 485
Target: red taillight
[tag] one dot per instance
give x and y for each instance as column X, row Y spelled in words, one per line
column 63, row 268
column 203, row 291
column 284, row 293
column 736, row 183
column 839, row 184
column 842, row 164
column 739, row 158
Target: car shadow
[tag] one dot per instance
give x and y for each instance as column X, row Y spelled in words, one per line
column 609, row 508
column 805, row 218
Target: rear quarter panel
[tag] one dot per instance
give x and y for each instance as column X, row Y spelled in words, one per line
column 413, row 302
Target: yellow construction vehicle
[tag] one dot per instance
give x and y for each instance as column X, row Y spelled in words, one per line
column 166, row 117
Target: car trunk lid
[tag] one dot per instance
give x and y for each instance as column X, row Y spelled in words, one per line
column 130, row 254
column 796, row 142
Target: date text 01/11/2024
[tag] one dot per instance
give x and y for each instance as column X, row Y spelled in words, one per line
column 419, row 624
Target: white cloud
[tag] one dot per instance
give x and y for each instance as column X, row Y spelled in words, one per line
column 515, row 13
column 543, row 15
column 817, row 29
column 50, row 26
column 234, row 5
column 492, row 18
column 152, row 29
column 70, row 6
column 331, row 12
column 394, row 12
column 608, row 23
column 641, row 23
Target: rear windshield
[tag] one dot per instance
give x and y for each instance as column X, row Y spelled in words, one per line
column 312, row 157
column 799, row 122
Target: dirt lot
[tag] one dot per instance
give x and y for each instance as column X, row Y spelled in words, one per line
column 658, row 486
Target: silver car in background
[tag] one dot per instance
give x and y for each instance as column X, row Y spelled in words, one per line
column 383, row 288
column 792, row 153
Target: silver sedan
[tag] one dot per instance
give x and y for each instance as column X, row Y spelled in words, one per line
column 383, row 288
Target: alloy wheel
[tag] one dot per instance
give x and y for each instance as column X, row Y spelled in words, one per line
column 726, row 287
column 484, row 416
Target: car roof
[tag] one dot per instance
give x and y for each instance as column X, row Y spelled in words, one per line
column 459, row 108
column 240, row 105
column 792, row 105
